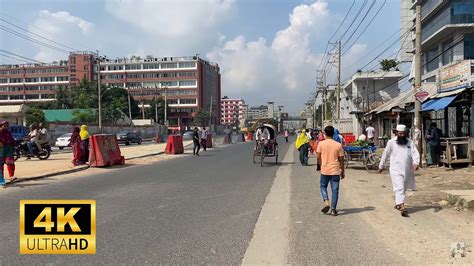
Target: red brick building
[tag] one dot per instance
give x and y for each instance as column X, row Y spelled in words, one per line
column 190, row 83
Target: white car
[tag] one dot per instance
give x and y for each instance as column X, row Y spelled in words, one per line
column 63, row 141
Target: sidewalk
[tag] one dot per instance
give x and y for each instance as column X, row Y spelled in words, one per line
column 60, row 163
column 442, row 187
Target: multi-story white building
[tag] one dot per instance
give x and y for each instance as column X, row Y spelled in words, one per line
column 232, row 111
column 190, row 83
column 256, row 112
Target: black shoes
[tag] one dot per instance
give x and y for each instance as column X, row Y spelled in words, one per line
column 325, row 209
column 333, row 212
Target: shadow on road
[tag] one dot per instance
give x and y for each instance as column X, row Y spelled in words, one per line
column 24, row 184
column 356, row 210
column 424, row 208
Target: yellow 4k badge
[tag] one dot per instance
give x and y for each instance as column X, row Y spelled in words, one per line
column 57, row 227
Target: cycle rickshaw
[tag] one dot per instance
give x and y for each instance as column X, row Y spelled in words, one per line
column 270, row 149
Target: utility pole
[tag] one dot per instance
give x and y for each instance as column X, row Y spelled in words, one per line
column 210, row 113
column 338, row 88
column 418, row 76
column 99, row 94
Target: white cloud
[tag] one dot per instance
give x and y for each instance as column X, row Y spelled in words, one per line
column 280, row 70
column 177, row 25
column 62, row 24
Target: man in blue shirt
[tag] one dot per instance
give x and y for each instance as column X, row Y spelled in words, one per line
column 434, row 141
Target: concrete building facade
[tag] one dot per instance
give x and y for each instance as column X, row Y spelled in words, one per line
column 232, row 111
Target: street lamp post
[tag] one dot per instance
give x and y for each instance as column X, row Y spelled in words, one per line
column 165, row 83
column 99, row 93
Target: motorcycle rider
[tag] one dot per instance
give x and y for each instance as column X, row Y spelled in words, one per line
column 41, row 137
column 32, row 137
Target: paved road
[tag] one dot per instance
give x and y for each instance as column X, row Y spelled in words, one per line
column 188, row 210
column 208, row 209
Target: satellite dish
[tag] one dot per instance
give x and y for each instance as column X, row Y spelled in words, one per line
column 358, row 100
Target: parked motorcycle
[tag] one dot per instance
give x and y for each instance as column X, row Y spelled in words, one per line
column 21, row 150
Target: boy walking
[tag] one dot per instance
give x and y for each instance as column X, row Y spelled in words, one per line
column 331, row 158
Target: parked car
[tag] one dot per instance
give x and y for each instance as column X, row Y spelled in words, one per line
column 128, row 138
column 63, row 141
column 188, row 135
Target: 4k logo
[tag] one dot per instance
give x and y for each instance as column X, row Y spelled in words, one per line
column 57, row 227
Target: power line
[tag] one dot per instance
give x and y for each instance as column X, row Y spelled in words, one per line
column 361, row 21
column 18, row 34
column 16, row 26
column 20, row 56
column 343, row 20
column 44, row 31
column 367, row 26
column 354, row 19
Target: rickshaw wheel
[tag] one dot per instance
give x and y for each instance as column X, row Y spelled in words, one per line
column 262, row 155
column 255, row 155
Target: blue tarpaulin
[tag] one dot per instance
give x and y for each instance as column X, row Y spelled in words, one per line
column 437, row 104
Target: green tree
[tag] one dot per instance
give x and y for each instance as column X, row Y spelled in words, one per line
column 115, row 104
column 202, row 116
column 84, row 116
column 84, row 96
column 388, row 64
column 157, row 104
column 63, row 98
column 34, row 115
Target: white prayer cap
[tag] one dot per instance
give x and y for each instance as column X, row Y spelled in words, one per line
column 401, row 128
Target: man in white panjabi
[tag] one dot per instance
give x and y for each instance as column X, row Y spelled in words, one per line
column 404, row 160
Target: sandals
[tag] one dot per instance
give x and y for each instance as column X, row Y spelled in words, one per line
column 402, row 210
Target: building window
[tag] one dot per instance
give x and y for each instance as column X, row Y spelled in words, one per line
column 469, row 46
column 187, row 83
column 32, row 96
column 17, row 80
column 432, row 61
column 86, row 67
column 62, row 78
column 3, row 80
column 151, row 66
column 134, row 66
column 187, row 101
column 16, row 97
column 47, row 79
column 447, row 52
column 168, row 75
column 172, row 101
column 73, row 60
column 187, row 65
column 169, row 65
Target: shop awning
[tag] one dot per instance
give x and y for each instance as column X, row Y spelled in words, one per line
column 437, row 104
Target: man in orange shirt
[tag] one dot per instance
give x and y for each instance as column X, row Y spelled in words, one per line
column 331, row 159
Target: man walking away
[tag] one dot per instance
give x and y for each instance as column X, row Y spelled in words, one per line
column 434, row 142
column 331, row 158
column 370, row 130
column 197, row 146
column 404, row 159
column 204, row 134
column 302, row 146
column 286, row 135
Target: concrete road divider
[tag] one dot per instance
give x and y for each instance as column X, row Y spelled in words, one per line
column 209, row 141
column 174, row 145
column 105, row 151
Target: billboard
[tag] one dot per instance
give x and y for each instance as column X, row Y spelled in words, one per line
column 455, row 76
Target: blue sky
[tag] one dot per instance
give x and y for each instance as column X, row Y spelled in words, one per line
column 268, row 50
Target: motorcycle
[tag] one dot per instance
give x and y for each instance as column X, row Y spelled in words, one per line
column 21, row 150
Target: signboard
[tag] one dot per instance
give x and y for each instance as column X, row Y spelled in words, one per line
column 455, row 76
column 421, row 95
